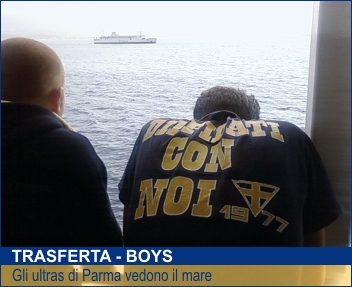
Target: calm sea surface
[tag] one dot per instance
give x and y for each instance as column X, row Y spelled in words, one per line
column 113, row 90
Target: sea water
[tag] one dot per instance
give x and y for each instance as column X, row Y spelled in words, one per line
column 113, row 90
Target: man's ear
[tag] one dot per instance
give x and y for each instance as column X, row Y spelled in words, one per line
column 56, row 98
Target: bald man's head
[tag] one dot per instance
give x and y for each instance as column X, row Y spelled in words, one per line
column 32, row 73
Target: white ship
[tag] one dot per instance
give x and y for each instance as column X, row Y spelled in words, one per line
column 131, row 39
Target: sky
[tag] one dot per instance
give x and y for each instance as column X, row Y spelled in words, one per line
column 155, row 18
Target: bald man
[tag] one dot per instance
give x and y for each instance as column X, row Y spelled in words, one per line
column 54, row 185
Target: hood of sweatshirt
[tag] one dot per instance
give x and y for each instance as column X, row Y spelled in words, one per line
column 23, row 121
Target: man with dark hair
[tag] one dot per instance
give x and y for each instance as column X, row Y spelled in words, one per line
column 225, row 178
column 53, row 190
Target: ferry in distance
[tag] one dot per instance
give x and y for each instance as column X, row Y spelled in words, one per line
column 131, row 39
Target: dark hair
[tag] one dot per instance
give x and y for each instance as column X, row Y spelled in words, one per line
column 227, row 98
